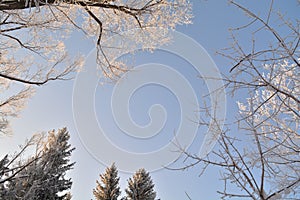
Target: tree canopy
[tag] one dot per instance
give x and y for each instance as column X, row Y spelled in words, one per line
column 33, row 36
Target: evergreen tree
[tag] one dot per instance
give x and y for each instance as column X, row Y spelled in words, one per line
column 140, row 187
column 109, row 189
column 43, row 175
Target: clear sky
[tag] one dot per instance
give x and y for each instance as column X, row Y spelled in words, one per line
column 51, row 108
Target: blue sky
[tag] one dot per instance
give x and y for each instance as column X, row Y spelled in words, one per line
column 51, row 107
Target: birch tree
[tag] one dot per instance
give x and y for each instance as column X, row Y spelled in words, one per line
column 33, row 35
column 262, row 160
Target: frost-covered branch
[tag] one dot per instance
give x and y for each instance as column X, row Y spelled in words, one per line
column 259, row 152
column 33, row 50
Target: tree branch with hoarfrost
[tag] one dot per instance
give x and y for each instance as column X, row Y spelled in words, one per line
column 260, row 161
column 33, row 36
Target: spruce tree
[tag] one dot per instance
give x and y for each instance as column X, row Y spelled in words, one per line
column 109, row 188
column 43, row 175
column 140, row 186
column 54, row 165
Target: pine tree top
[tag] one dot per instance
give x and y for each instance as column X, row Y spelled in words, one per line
column 140, row 186
column 109, row 188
